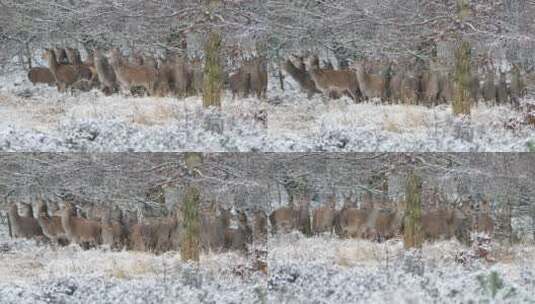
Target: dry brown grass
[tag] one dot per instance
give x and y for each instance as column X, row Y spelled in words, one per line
column 407, row 117
column 360, row 252
column 157, row 114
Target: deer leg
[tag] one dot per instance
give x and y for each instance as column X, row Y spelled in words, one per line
column 353, row 96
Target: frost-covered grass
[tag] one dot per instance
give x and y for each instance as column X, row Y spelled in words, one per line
column 330, row 270
column 4, row 232
column 42, row 274
column 301, row 270
column 41, row 119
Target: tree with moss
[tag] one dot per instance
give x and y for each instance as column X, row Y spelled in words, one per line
column 190, row 242
column 463, row 75
column 413, row 232
column 213, row 69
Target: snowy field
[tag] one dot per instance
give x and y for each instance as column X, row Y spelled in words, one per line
column 4, row 232
column 301, row 270
column 41, row 274
column 41, row 119
column 326, row 270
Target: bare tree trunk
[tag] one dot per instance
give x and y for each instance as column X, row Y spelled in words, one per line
column 189, row 247
column 463, row 76
column 190, row 243
column 213, row 71
column 413, row 232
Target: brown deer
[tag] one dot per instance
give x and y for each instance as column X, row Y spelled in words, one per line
column 483, row 221
column 145, row 235
column 166, row 228
column 329, row 81
column 51, row 225
column 299, row 73
column 438, row 223
column 385, row 223
column 114, row 233
column 41, row 75
column 136, row 59
column 501, row 95
column 374, row 219
column 240, row 237
column 90, row 59
column 302, row 209
column 395, row 86
column 256, row 69
column 86, row 71
column 73, row 56
column 176, row 234
column 23, row 226
column 129, row 218
column 240, row 84
column 446, row 88
column 214, row 227
column 64, row 74
column 130, row 76
column 162, row 88
column 155, row 234
column 92, row 211
column 142, row 237
column 463, row 222
column 409, row 88
column 197, row 76
column 166, row 75
column 488, row 89
column 61, row 56
column 283, row 219
column 149, row 61
column 371, row 85
column 518, row 87
column 348, row 203
column 182, row 77
column 323, row 217
column 81, row 231
column 105, row 72
column 430, row 87
column 352, row 223
column 260, row 226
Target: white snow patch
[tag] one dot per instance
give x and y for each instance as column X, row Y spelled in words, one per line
column 42, row 274
column 330, row 270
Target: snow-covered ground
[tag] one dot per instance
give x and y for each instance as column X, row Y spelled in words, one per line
column 41, row 274
column 4, row 232
column 301, row 270
column 328, row 270
column 41, row 119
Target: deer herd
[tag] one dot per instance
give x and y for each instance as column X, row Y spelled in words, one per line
column 90, row 226
column 232, row 229
column 380, row 220
column 111, row 72
column 401, row 81
column 393, row 81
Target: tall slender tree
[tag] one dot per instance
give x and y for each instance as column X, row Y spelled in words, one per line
column 190, row 243
column 463, row 74
column 413, row 232
column 213, row 70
